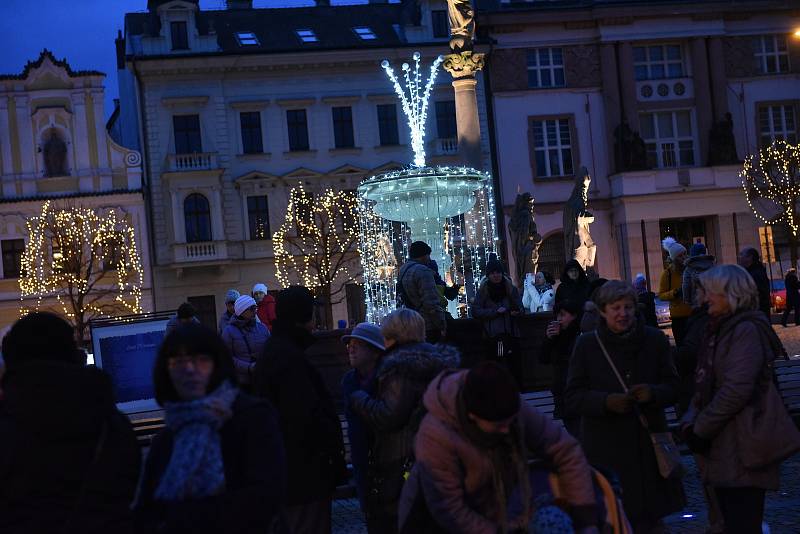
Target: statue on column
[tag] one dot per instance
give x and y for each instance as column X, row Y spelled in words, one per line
column 578, row 242
column 55, row 155
column 525, row 239
column 462, row 25
column 722, row 143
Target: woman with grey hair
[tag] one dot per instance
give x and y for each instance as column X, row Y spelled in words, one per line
column 393, row 413
column 619, row 372
column 737, row 423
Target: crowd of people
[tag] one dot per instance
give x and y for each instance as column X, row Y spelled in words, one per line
column 253, row 441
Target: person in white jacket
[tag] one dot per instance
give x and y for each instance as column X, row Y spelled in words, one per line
column 538, row 295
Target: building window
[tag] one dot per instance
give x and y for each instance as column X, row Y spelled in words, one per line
column 251, row 132
column 307, row 36
column 387, row 124
column 446, row 119
column 656, row 62
column 668, row 137
column 552, row 147
column 777, row 122
column 546, row 67
column 297, row 126
column 365, row 33
column 772, row 54
column 247, row 39
column 258, row 216
column 187, row 134
column 441, row 27
column 197, row 216
column 343, row 127
column 12, row 257
column 180, row 37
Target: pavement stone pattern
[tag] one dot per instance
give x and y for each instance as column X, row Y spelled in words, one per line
column 782, row 511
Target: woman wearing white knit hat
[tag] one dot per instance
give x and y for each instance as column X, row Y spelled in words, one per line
column 245, row 337
column 266, row 305
column 670, row 288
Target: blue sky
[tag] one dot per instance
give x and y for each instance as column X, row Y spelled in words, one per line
column 83, row 31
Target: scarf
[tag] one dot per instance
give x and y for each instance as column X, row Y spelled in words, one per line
column 195, row 468
column 509, row 462
column 544, row 288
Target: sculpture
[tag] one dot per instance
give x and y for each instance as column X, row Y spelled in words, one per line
column 629, row 149
column 578, row 242
column 722, row 143
column 525, row 239
column 462, row 25
column 55, row 155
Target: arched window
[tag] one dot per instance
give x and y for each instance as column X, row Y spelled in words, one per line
column 551, row 255
column 197, row 215
column 54, row 152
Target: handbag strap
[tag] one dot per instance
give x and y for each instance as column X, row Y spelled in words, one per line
column 642, row 418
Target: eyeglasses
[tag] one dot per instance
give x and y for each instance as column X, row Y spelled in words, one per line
column 198, row 361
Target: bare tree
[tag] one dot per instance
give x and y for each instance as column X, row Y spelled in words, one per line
column 317, row 244
column 87, row 261
column 771, row 183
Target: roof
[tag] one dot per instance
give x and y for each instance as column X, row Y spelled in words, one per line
column 276, row 28
column 567, row 5
column 30, row 65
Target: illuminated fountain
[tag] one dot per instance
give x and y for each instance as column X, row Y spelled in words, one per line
column 450, row 208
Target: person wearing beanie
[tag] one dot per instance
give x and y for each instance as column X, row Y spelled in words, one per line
column 416, row 290
column 646, row 300
column 229, row 313
column 497, row 305
column 245, row 337
column 698, row 249
column 310, row 425
column 477, row 429
column 185, row 314
column 670, row 288
column 562, row 332
column 55, row 414
column 266, row 305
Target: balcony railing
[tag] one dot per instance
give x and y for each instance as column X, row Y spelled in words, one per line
column 446, row 147
column 198, row 161
column 202, row 251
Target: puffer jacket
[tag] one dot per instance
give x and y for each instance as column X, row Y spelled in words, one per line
column 456, row 474
column 695, row 266
column 670, row 289
column 246, row 340
column 419, row 284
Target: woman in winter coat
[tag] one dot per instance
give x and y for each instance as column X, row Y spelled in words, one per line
column 219, row 464
column 245, row 337
column 496, row 306
column 670, row 288
column 574, row 285
column 538, row 295
column 612, row 434
column 737, row 422
column 394, row 412
column 646, row 300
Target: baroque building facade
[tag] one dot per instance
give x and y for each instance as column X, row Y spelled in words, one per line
column 54, row 147
column 659, row 101
column 235, row 107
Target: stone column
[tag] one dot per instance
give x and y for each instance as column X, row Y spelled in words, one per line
column 702, row 95
column 7, row 167
column 80, row 140
column 608, row 67
column 463, row 66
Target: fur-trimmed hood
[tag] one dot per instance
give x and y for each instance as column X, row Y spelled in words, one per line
column 419, row 361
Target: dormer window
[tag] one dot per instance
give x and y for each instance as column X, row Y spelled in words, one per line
column 180, row 37
column 365, row 33
column 247, row 39
column 307, row 36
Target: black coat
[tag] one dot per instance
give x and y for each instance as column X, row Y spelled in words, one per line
column 619, row 442
column 685, row 355
column 255, row 479
column 759, row 274
column 52, row 422
column 576, row 291
column 558, row 352
column 312, row 431
column 792, row 287
column 647, row 306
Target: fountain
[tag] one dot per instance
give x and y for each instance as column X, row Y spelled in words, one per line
column 450, row 208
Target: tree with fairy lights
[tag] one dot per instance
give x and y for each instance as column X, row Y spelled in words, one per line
column 87, row 261
column 771, row 182
column 317, row 244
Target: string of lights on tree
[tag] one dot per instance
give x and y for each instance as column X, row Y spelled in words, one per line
column 771, row 182
column 88, row 262
column 317, row 242
column 449, row 207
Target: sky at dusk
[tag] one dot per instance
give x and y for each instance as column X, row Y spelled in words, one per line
column 82, row 31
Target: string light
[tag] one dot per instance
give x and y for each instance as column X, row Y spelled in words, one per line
column 773, row 179
column 318, row 240
column 88, row 262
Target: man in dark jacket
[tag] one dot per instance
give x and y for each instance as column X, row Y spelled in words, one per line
column 69, row 461
column 574, row 284
column 751, row 261
column 792, row 298
column 416, row 288
column 310, row 426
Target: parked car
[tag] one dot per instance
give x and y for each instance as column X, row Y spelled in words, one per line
column 662, row 313
column 778, row 295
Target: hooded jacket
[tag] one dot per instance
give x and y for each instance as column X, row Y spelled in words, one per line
column 573, row 290
column 455, row 474
column 484, row 308
column 54, row 419
column 695, row 266
column 245, row 340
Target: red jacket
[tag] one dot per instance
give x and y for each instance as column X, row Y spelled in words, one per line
column 266, row 311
